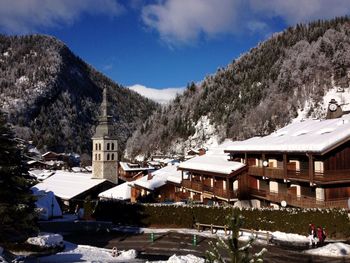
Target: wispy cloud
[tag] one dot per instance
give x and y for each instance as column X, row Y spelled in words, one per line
column 162, row 96
column 181, row 22
column 26, row 16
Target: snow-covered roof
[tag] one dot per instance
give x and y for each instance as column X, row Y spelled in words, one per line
column 41, row 174
column 126, row 167
column 120, row 192
column 214, row 161
column 67, row 185
column 309, row 135
column 159, row 178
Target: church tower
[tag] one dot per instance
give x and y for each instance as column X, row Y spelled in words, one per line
column 105, row 146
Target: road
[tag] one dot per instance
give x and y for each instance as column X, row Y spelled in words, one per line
column 165, row 245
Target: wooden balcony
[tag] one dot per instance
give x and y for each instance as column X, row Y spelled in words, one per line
column 328, row 177
column 299, row 201
column 215, row 191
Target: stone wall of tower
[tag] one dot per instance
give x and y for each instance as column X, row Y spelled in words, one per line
column 104, row 159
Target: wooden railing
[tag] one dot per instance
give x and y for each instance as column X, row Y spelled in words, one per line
column 301, row 175
column 216, row 191
column 299, row 201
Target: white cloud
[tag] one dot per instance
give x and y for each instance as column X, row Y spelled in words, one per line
column 162, row 96
column 24, row 16
column 185, row 21
column 301, row 10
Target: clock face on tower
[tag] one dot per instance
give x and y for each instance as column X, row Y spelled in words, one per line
column 332, row 107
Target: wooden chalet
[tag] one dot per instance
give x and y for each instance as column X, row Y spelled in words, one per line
column 211, row 178
column 158, row 186
column 305, row 164
column 131, row 171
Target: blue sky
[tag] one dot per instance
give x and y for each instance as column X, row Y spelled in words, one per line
column 161, row 43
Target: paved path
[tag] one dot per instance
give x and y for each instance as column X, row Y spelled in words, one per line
column 167, row 244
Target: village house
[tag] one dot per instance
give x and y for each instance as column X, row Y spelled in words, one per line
column 157, row 186
column 211, row 178
column 132, row 171
column 305, row 164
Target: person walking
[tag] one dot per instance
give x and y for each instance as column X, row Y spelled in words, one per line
column 312, row 235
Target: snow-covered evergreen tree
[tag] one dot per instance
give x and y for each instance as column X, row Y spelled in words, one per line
column 230, row 251
column 17, row 217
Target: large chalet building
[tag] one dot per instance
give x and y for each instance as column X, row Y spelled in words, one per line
column 211, row 178
column 305, row 164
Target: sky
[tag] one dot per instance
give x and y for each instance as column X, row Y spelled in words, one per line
column 161, row 44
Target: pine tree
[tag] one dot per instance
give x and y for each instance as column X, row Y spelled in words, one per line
column 232, row 249
column 17, row 217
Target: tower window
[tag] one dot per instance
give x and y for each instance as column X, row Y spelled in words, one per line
column 99, row 157
column 99, row 146
column 112, row 146
column 96, row 147
column 107, row 156
column 96, row 155
column 107, row 146
column 112, row 156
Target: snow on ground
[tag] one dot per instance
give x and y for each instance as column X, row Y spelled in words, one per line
column 182, row 259
column 2, row 260
column 289, row 237
column 46, row 240
column 82, row 253
column 331, row 250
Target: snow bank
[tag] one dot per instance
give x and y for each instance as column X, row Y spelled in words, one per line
column 46, row 240
column 182, row 259
column 127, row 255
column 331, row 250
column 82, row 253
column 289, row 237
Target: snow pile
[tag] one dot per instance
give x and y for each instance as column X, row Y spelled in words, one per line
column 82, row 253
column 127, row 255
column 331, row 250
column 183, row 259
column 46, row 204
column 46, row 240
column 288, row 237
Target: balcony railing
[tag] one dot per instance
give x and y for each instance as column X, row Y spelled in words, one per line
column 216, row 191
column 299, row 201
column 301, row 175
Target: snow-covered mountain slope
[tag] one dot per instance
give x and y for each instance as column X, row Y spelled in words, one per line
column 52, row 97
column 291, row 75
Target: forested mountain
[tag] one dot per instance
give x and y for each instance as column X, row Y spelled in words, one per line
column 260, row 91
column 52, row 97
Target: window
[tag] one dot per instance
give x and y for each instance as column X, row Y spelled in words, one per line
column 107, row 156
column 96, row 155
column 112, row 146
column 107, row 146
column 96, row 147
column 112, row 156
column 99, row 146
column 99, row 157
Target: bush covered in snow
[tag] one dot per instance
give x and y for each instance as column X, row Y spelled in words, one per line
column 46, row 240
column 290, row 220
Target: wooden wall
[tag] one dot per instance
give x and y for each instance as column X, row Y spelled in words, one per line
column 338, row 159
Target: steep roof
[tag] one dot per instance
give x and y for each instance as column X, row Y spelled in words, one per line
column 105, row 128
column 214, row 161
column 314, row 136
column 119, row 192
column 67, row 185
column 159, row 178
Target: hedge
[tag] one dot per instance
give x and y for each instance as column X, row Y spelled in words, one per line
column 290, row 220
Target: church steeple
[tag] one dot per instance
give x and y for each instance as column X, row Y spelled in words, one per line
column 105, row 145
column 105, row 126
